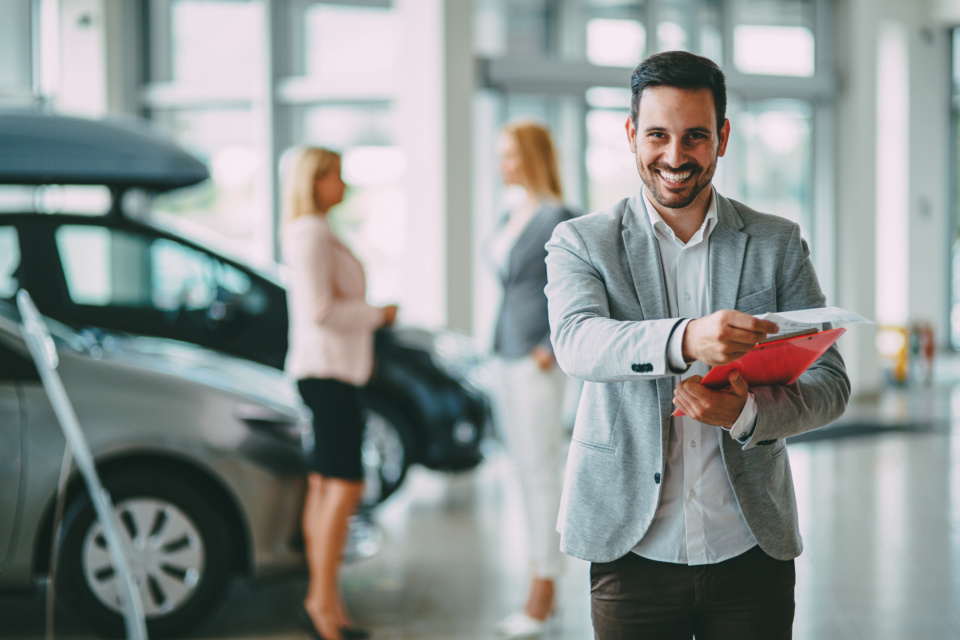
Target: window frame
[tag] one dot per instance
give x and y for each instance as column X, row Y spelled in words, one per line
column 559, row 73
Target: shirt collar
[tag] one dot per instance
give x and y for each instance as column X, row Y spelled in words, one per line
column 661, row 227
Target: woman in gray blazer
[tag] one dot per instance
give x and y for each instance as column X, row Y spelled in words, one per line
column 531, row 395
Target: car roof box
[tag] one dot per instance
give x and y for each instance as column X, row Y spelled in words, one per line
column 40, row 148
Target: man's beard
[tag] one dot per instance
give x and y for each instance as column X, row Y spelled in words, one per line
column 673, row 200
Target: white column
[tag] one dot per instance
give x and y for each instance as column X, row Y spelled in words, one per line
column 856, row 179
column 892, row 171
column 433, row 105
column 892, row 167
column 929, row 191
column 15, row 45
column 913, row 179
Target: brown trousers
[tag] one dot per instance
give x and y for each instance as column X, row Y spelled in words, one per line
column 749, row 597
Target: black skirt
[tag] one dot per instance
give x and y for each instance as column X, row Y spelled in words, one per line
column 338, row 424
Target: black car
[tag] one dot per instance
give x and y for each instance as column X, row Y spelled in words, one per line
column 116, row 273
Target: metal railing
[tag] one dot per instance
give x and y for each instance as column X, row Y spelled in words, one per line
column 44, row 353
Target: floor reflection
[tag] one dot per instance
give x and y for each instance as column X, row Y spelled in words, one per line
column 879, row 514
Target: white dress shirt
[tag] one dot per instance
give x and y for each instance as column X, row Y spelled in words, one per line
column 506, row 235
column 698, row 520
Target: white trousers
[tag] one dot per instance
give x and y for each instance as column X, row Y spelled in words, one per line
column 529, row 411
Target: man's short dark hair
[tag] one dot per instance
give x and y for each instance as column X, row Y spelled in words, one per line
column 681, row 70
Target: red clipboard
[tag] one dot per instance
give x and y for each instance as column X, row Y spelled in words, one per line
column 775, row 362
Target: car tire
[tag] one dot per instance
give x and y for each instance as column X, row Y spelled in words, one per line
column 387, row 451
column 181, row 546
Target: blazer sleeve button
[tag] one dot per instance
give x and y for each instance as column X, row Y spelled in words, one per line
column 636, row 368
column 656, row 478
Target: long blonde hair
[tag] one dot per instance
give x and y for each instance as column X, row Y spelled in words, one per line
column 538, row 160
column 300, row 193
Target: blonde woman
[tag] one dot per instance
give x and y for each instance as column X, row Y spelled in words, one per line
column 331, row 356
column 531, row 394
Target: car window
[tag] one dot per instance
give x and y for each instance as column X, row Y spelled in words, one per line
column 182, row 277
column 107, row 267
column 9, row 262
column 104, row 267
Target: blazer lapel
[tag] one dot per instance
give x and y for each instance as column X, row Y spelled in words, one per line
column 727, row 248
column 643, row 260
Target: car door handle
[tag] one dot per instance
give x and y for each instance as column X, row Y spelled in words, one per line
column 259, row 416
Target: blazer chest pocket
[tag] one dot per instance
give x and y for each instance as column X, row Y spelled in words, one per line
column 760, row 302
column 778, row 448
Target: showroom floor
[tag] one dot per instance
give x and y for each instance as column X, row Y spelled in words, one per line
column 879, row 498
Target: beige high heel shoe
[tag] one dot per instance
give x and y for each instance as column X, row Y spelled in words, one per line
column 521, row 625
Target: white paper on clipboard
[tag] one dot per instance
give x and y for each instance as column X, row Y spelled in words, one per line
column 799, row 320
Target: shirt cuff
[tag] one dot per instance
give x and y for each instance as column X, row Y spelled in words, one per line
column 743, row 428
column 675, row 348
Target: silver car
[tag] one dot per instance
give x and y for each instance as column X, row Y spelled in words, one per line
column 202, row 454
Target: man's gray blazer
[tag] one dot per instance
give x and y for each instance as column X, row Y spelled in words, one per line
column 610, row 325
column 522, row 320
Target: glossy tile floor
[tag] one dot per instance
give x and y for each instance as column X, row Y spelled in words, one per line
column 879, row 497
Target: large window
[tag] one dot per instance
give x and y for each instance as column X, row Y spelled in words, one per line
column 774, row 37
column 283, row 74
column 323, row 72
column 777, row 58
column 615, row 42
column 338, row 95
column 689, row 26
column 774, row 161
column 578, row 55
column 233, row 202
column 338, row 39
column 16, row 42
column 611, row 167
column 210, row 99
column 372, row 217
column 236, row 60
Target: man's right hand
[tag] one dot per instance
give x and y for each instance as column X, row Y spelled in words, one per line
column 723, row 336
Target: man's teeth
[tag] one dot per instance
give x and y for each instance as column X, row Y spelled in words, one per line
column 675, row 177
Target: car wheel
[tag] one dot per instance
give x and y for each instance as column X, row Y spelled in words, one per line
column 181, row 552
column 386, row 453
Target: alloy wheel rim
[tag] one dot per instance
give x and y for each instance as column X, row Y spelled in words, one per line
column 383, row 455
column 166, row 555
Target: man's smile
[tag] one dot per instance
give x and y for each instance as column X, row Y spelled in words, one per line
column 674, row 178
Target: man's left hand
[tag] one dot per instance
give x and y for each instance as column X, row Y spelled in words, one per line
column 720, row 407
column 543, row 357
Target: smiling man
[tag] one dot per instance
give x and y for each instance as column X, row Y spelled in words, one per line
column 690, row 523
